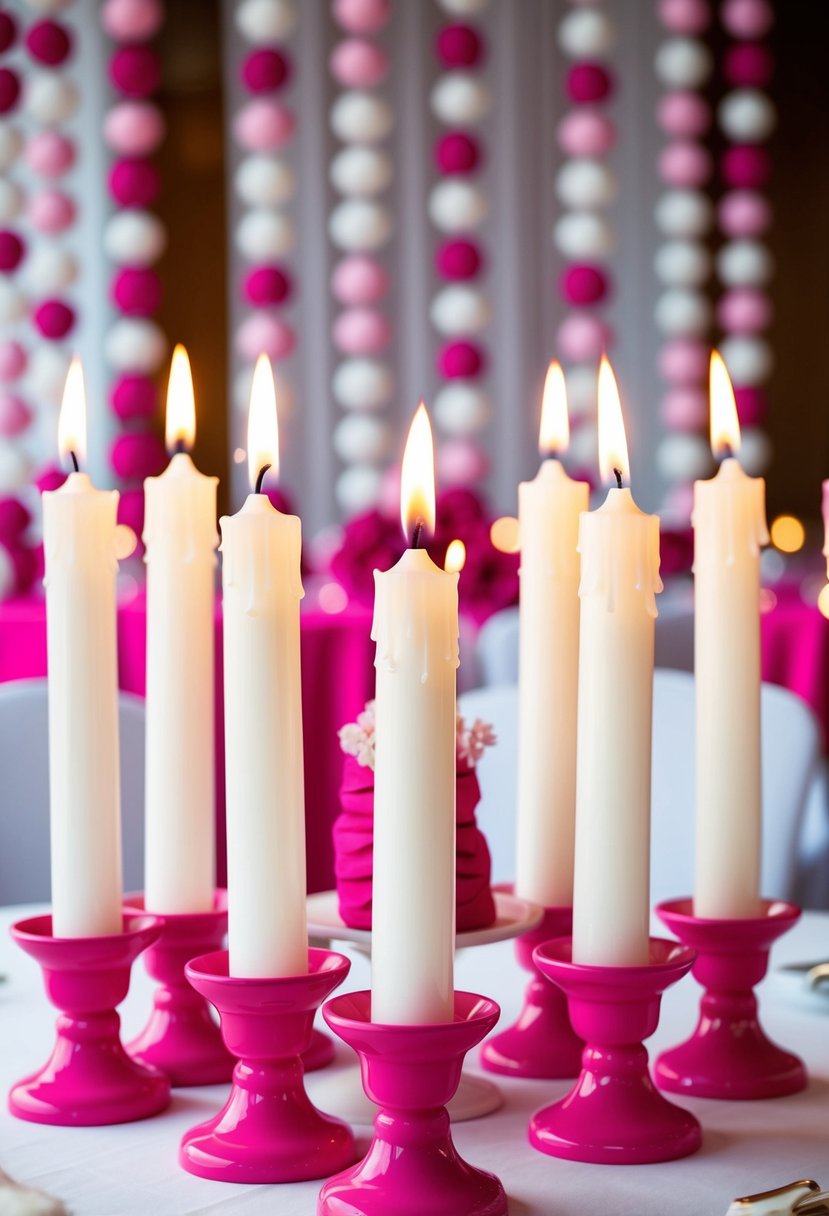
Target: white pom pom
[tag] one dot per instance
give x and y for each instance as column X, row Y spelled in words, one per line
column 361, row 118
column 11, row 200
column 460, row 97
column 264, row 234
column 460, row 310
column 48, row 269
column 683, row 63
column 358, row 489
column 755, row 452
column 46, row 372
column 682, row 264
column 684, row 213
column 135, row 238
column 360, row 170
column 584, row 446
column 359, row 437
column 8, row 578
column 463, row 8
column 749, row 360
column 264, row 181
column 683, row 457
column 50, row 99
column 585, row 33
column 358, row 225
column 263, row 21
column 744, row 264
column 11, row 144
column 12, row 301
column 15, row 469
column 362, row 384
column 135, row 344
column 456, row 205
column 747, row 116
column 679, row 313
column 584, row 184
column 583, row 236
column 461, row 408
column 582, row 390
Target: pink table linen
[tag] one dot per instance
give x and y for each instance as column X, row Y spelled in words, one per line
column 795, row 652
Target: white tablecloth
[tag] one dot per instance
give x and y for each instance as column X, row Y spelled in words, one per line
column 131, row 1170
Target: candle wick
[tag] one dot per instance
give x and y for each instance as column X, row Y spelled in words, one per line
column 261, row 478
column 179, row 447
column 726, row 452
column 617, row 473
column 550, row 453
column 418, row 534
column 74, row 459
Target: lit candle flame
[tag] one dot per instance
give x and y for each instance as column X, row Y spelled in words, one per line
column 613, row 447
column 72, row 417
column 554, row 432
column 180, row 424
column 455, row 559
column 725, row 425
column 263, row 429
column 417, row 477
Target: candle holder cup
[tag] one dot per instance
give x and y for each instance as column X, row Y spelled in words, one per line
column 89, row 1080
column 729, row 1054
column 614, row 1115
column 541, row 1043
column 410, row 1073
column 267, row 1131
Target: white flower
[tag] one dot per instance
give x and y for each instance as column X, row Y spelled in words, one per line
column 359, row 739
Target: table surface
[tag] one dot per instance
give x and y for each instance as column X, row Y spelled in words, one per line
column 131, row 1170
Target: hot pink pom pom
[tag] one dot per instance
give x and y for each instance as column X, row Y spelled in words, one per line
column 51, row 477
column 586, row 133
column 745, row 311
column 357, row 63
column 743, row 213
column 359, row 280
column 458, row 46
column 131, row 510
column 138, row 455
column 133, row 397
column 461, row 462
column 15, row 415
column 262, row 333
column 134, row 128
column 132, row 20
column 14, row 518
column 684, row 361
column 266, row 285
column 137, row 291
column 25, row 565
column 460, row 360
column 584, row 284
column 685, row 16
column 134, row 183
column 748, row 65
column 54, row 319
column 746, row 167
column 264, row 125
column 50, row 154
column 684, row 165
column 9, row 90
column 752, row 405
column 457, row 152
column 747, row 18
column 8, row 31
column 361, row 331
column 683, row 115
column 458, row 260
column 583, row 338
column 362, row 16
column 588, row 82
column 11, row 251
column 51, row 211
column 685, row 409
column 265, row 71
column 48, row 42
column 135, row 71
column 13, row 360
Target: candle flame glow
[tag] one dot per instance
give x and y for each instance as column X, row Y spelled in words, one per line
column 263, row 428
column 554, row 432
column 725, row 425
column 72, row 417
column 455, row 559
column 417, row 476
column 613, row 447
column 180, row 423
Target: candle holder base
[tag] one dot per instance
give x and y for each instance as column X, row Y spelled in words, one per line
column 729, row 1054
column 267, row 1131
column 411, row 1072
column 614, row 1115
column 319, row 1053
column 89, row 1080
column 541, row 1043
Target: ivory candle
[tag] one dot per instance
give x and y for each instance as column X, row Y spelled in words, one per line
column 619, row 547
column 261, row 551
column 548, row 508
column 79, row 543
column 729, row 530
column 180, row 538
column 416, row 630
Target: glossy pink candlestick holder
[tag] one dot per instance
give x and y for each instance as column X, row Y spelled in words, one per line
column 541, row 1043
column 614, row 1115
column 410, row 1072
column 89, row 1079
column 729, row 1055
column 268, row 1130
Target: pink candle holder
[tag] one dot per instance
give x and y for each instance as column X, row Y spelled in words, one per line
column 541, row 1043
column 729, row 1055
column 614, row 1115
column 267, row 1131
column 410, row 1072
column 89, row 1079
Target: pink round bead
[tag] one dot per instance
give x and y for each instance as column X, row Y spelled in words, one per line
column 746, row 166
column 683, row 115
column 586, row 133
column 357, row 63
column 745, row 311
column 137, row 291
column 132, row 20
column 135, row 71
column 685, row 165
column 51, row 477
column 458, row 260
column 685, row 16
column 134, row 183
column 685, row 408
column 361, row 331
column 25, row 565
column 50, row 154
column 359, row 280
column 747, row 18
column 54, row 319
column 684, row 361
column 15, row 415
column 51, row 211
column 9, row 90
column 457, row 152
column 131, row 510
column 457, row 360
column 588, row 82
column 458, row 46
column 262, row 333
column 266, row 285
column 748, row 65
column 362, row 16
column 48, row 43
column 264, row 125
column 11, row 251
column 134, row 128
column 583, row 338
column 584, row 285
column 265, row 71
column 13, row 360
column 752, row 405
column 138, row 455
column 744, row 213
column 461, row 462
column 14, row 518
column 8, row 31
column 133, row 397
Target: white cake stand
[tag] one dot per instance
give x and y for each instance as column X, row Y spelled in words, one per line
column 338, row 1088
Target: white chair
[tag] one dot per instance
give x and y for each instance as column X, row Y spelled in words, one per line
column 24, row 791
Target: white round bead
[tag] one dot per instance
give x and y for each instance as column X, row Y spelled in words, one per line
column 461, row 408
column 679, row 313
column 749, row 360
column 456, row 205
column 361, row 118
column 683, row 457
column 683, row 63
column 135, row 344
column 133, row 237
column 50, row 99
column 264, row 234
column 263, row 21
column 460, row 98
column 264, row 181
column 362, row 171
column 11, row 200
column 747, row 116
column 460, row 310
column 358, row 489
column 15, row 469
column 46, row 372
column 684, row 213
column 362, row 384
column 584, row 184
column 744, row 264
column 682, row 264
column 582, row 390
column 360, row 437
column 585, row 33
column 357, row 225
column 13, row 303
column 11, row 144
column 755, row 451
column 48, row 269
column 583, row 235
